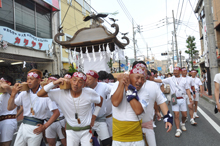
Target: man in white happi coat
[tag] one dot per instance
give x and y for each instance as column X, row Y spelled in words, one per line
column 76, row 105
column 103, row 89
column 193, row 93
column 34, row 111
column 179, row 87
column 8, row 122
column 57, row 128
column 129, row 106
column 103, row 77
column 197, row 85
column 111, row 82
column 157, row 111
column 150, row 90
column 161, row 85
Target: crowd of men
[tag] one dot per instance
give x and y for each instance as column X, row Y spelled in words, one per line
column 97, row 109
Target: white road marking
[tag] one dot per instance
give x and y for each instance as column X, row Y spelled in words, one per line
column 214, row 125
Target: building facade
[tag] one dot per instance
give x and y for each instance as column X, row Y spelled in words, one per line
column 200, row 10
column 27, row 28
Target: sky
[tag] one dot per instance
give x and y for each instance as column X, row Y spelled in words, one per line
column 151, row 15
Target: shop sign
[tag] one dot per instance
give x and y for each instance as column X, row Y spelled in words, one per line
column 159, row 68
column 205, row 41
column 53, row 3
column 24, row 39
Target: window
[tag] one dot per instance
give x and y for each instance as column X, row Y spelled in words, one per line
column 29, row 17
column 85, row 5
column 24, row 16
column 43, row 17
column 6, row 11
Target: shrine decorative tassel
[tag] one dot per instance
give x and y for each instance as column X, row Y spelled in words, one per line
column 100, row 53
column 81, row 54
column 108, row 50
column 104, row 52
column 69, row 55
column 74, row 55
column 120, row 54
column 87, row 53
column 93, row 53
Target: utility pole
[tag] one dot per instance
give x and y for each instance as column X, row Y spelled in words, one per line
column 177, row 57
column 213, row 64
column 134, row 40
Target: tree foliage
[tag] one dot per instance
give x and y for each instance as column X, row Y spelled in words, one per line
column 110, row 64
column 191, row 45
column 72, row 69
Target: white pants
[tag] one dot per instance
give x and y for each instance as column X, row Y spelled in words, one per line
column 109, row 124
column 135, row 143
column 102, row 130
column 7, row 129
column 55, row 129
column 26, row 136
column 76, row 137
column 193, row 99
column 197, row 97
column 180, row 106
column 150, row 135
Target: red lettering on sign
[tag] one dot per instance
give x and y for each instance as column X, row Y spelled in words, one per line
column 25, row 42
column 33, row 43
column 17, row 40
column 40, row 45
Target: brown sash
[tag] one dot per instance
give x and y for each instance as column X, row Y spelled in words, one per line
column 4, row 117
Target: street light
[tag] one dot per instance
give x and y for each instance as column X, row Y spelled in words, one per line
column 180, row 59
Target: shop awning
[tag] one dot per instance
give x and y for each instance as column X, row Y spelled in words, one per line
column 217, row 27
column 201, row 37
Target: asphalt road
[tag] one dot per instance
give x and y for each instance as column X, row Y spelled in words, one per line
column 204, row 134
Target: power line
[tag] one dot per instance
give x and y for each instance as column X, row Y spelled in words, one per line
column 177, row 9
column 195, row 14
column 167, row 25
column 180, row 12
column 190, row 28
column 183, row 18
column 154, row 22
column 158, row 46
column 123, row 7
column 66, row 13
column 154, row 28
column 189, row 16
column 154, row 36
column 74, row 26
